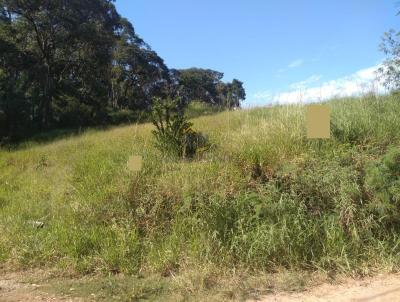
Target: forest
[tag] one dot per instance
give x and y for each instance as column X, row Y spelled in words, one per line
column 79, row 63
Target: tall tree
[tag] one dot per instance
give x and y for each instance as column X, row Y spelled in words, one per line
column 201, row 84
column 66, row 38
column 391, row 66
column 207, row 85
column 390, row 71
column 70, row 63
column 138, row 72
column 236, row 93
column 16, row 74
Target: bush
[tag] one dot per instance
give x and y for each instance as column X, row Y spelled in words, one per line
column 383, row 178
column 126, row 116
column 71, row 112
column 174, row 135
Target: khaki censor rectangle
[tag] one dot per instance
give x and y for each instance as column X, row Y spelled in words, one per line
column 134, row 163
column 318, row 121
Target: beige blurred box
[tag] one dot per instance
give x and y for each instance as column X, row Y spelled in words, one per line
column 134, row 163
column 318, row 121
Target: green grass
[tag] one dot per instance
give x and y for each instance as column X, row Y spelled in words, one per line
column 205, row 285
column 264, row 198
column 198, row 108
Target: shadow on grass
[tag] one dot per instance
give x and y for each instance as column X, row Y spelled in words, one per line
column 45, row 137
column 194, row 110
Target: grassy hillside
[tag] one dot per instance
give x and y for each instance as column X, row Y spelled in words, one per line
column 263, row 198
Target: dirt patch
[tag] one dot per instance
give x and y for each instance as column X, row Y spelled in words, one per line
column 382, row 288
column 38, row 286
column 16, row 287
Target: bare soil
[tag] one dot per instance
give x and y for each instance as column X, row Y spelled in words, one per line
column 16, row 287
column 382, row 288
column 21, row 287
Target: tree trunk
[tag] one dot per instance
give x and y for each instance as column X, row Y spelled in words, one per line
column 46, row 100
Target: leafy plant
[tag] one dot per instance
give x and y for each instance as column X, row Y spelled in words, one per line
column 384, row 179
column 174, row 135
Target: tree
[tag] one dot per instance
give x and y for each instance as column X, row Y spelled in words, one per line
column 207, row 85
column 235, row 94
column 77, row 63
column 71, row 43
column 390, row 71
column 200, row 84
column 391, row 66
column 138, row 72
column 15, row 79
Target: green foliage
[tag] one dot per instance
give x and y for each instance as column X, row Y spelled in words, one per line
column 58, row 74
column 82, row 75
column 126, row 116
column 71, row 112
column 174, row 135
column 207, row 85
column 2, row 124
column 390, row 72
column 383, row 178
column 266, row 199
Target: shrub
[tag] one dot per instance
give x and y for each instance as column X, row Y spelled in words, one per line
column 174, row 135
column 126, row 116
column 383, row 178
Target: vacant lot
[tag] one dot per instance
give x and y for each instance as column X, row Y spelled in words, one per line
column 262, row 199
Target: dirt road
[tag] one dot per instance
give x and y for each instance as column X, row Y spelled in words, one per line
column 16, row 287
column 383, row 288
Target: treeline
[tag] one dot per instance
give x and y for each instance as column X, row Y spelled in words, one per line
column 78, row 63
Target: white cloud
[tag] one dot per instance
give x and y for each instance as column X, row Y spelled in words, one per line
column 296, row 63
column 305, row 83
column 358, row 83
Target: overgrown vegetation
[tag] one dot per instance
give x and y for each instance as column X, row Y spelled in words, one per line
column 174, row 135
column 383, row 179
column 266, row 199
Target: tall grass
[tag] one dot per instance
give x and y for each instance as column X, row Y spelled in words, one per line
column 263, row 198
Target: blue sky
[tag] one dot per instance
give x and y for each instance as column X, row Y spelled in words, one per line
column 293, row 49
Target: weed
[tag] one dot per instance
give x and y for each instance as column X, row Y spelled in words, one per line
column 266, row 199
column 174, row 134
